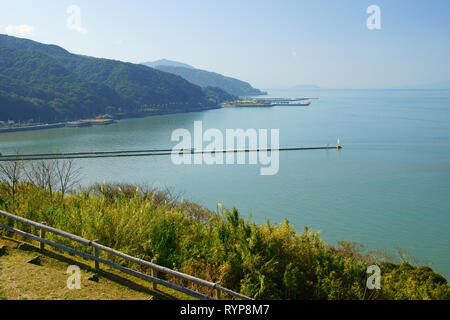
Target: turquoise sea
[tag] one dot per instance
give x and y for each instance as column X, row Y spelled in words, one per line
column 389, row 186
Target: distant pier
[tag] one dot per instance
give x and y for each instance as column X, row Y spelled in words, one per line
column 268, row 102
column 147, row 153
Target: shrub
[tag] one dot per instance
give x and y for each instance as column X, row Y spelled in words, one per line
column 264, row 261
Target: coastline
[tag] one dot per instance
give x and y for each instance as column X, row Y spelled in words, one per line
column 35, row 127
column 81, row 123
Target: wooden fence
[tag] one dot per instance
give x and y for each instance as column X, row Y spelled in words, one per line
column 96, row 248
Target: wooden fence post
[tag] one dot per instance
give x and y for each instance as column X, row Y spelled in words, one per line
column 154, row 275
column 42, row 235
column 95, row 253
column 97, row 249
column 217, row 293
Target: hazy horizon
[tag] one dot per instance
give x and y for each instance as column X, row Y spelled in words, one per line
column 269, row 45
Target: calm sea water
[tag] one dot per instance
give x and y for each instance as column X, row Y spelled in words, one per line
column 389, row 186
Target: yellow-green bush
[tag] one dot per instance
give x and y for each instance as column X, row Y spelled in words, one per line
column 263, row 261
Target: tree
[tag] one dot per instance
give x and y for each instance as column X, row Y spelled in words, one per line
column 42, row 174
column 53, row 175
column 67, row 174
column 11, row 172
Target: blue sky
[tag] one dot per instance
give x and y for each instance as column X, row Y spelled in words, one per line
column 271, row 44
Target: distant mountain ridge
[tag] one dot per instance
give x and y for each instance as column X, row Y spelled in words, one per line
column 205, row 78
column 165, row 62
column 48, row 82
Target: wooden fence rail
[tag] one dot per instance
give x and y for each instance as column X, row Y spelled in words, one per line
column 95, row 256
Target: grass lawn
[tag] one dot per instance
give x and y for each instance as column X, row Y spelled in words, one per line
column 2, row 294
column 20, row 280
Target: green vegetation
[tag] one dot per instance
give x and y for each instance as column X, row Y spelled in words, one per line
column 210, row 79
column 46, row 82
column 264, row 261
column 33, row 85
column 217, row 95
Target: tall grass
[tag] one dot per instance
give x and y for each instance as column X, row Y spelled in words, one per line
column 264, row 261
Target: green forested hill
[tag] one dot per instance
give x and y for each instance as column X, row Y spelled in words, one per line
column 33, row 85
column 47, row 82
column 210, row 79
